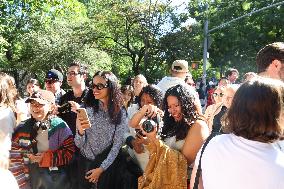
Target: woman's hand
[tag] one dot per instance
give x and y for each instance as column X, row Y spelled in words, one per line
column 94, row 174
column 82, row 125
column 137, row 145
column 151, row 111
column 35, row 158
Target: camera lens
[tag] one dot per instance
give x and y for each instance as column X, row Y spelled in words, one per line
column 148, row 125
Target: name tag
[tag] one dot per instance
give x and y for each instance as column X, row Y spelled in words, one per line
column 53, row 168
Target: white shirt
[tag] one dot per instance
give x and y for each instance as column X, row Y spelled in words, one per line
column 174, row 144
column 234, row 162
column 7, row 179
column 168, row 82
column 142, row 158
column 7, row 125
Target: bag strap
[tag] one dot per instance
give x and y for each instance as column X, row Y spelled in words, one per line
column 198, row 172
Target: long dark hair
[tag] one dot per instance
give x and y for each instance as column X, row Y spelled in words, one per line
column 256, row 111
column 186, row 98
column 115, row 97
column 129, row 88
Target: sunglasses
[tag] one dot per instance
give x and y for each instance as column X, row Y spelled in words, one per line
column 50, row 81
column 218, row 94
column 99, row 86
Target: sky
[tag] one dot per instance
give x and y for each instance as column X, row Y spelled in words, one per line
column 181, row 8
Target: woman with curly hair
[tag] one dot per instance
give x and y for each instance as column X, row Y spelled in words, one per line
column 100, row 140
column 184, row 126
column 182, row 135
column 150, row 103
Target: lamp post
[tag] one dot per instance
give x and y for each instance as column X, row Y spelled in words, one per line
column 205, row 47
column 207, row 32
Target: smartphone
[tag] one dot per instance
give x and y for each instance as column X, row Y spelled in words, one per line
column 82, row 113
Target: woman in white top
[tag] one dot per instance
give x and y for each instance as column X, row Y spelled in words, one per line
column 7, row 125
column 7, row 105
column 184, row 128
column 248, row 157
column 150, row 102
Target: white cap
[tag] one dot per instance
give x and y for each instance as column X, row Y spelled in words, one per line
column 180, row 66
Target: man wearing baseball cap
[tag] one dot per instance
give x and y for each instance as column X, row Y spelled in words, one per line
column 53, row 81
column 179, row 71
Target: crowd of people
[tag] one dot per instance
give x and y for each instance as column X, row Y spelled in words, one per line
column 145, row 136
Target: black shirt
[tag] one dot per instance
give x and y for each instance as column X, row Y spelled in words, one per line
column 217, row 126
column 70, row 117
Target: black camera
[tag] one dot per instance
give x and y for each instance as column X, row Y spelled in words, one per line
column 149, row 124
column 64, row 108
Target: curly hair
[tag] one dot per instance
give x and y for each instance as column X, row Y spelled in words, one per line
column 154, row 92
column 256, row 111
column 186, row 98
column 115, row 97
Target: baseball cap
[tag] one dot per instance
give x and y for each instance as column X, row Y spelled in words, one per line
column 180, row 66
column 42, row 97
column 54, row 74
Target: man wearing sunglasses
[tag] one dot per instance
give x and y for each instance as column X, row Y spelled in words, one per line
column 53, row 81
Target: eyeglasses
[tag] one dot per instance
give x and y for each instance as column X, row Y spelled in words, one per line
column 72, row 73
column 99, row 86
column 50, row 81
column 218, row 94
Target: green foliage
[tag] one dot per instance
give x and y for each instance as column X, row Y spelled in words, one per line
column 236, row 44
column 57, row 47
column 130, row 37
column 129, row 31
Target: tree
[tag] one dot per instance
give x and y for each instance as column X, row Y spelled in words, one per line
column 21, row 17
column 236, row 45
column 129, row 30
column 56, row 47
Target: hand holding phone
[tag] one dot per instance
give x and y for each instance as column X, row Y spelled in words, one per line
column 83, row 119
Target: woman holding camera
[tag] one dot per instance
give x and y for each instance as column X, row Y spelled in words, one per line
column 150, row 103
column 101, row 137
column 182, row 135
